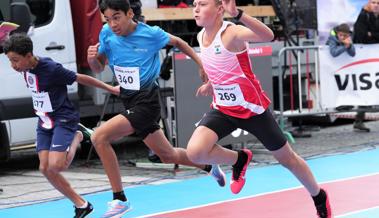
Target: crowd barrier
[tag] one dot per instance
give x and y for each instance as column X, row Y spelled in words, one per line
column 319, row 83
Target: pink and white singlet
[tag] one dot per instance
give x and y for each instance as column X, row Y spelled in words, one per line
column 236, row 90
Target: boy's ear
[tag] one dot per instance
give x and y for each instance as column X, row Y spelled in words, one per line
column 221, row 9
column 130, row 13
column 29, row 55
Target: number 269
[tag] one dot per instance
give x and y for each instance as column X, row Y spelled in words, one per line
column 227, row 96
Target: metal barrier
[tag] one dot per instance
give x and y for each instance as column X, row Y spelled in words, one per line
column 317, row 86
column 313, row 105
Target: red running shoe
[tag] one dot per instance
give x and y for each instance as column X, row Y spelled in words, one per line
column 238, row 178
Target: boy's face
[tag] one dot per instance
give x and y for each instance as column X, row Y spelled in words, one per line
column 19, row 62
column 118, row 21
column 342, row 36
column 206, row 11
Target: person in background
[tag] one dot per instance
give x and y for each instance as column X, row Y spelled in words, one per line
column 366, row 27
column 340, row 41
column 366, row 31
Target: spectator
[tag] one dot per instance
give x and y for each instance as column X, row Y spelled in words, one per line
column 339, row 42
column 136, row 6
column 366, row 31
column 366, row 28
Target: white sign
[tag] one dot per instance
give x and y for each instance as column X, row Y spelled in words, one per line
column 349, row 80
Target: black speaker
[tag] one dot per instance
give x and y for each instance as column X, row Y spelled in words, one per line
column 307, row 13
column 296, row 14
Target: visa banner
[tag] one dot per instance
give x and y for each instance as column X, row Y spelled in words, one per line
column 346, row 80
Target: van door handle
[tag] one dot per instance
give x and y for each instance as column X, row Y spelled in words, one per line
column 55, row 47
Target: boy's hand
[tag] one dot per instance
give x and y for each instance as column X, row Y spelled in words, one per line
column 205, row 90
column 116, row 90
column 347, row 42
column 203, row 75
column 230, row 7
column 92, row 52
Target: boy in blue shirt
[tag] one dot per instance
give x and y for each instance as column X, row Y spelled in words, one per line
column 57, row 131
column 132, row 51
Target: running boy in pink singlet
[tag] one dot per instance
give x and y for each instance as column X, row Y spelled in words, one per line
column 238, row 99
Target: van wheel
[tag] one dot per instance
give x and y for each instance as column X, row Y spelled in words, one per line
column 4, row 143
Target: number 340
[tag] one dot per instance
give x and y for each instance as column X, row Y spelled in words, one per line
column 125, row 79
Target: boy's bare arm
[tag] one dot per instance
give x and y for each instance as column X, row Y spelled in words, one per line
column 90, row 81
column 186, row 49
column 95, row 60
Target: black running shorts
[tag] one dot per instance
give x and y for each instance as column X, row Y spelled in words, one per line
column 143, row 111
column 262, row 126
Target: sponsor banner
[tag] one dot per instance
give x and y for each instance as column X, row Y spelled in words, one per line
column 260, row 51
column 346, row 80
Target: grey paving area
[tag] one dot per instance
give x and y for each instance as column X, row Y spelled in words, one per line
column 22, row 183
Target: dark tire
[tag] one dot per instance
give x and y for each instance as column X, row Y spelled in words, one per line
column 4, row 143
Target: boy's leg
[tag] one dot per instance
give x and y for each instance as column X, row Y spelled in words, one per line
column 202, row 148
column 102, row 137
column 74, row 146
column 115, row 128
column 159, row 144
column 288, row 158
column 51, row 164
column 52, row 146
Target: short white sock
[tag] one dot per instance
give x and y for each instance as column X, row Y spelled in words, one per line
column 84, row 205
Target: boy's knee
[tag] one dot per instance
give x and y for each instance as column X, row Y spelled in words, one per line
column 194, row 155
column 98, row 138
column 43, row 169
column 167, row 157
column 56, row 167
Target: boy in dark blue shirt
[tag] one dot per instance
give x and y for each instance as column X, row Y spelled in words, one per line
column 57, row 132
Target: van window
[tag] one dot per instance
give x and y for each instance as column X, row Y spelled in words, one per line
column 42, row 11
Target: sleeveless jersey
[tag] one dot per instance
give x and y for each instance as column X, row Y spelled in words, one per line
column 236, row 90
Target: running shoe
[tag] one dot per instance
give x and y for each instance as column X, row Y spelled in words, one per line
column 238, row 177
column 324, row 210
column 217, row 173
column 83, row 212
column 116, row 209
column 87, row 132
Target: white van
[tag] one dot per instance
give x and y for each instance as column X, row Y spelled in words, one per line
column 50, row 25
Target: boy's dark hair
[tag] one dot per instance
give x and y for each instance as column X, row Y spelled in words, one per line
column 117, row 5
column 344, row 28
column 136, row 6
column 18, row 43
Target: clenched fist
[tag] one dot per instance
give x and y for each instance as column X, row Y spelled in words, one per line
column 92, row 52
